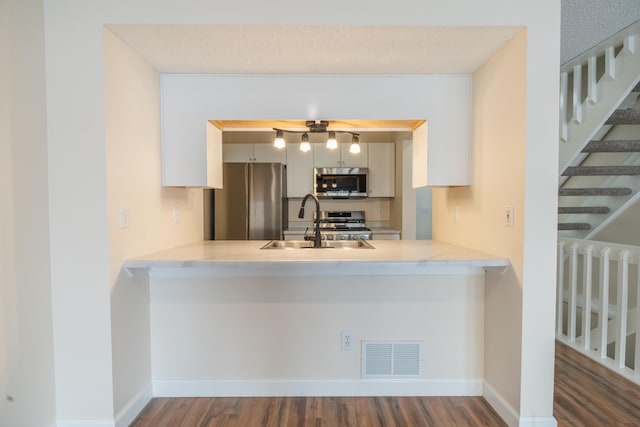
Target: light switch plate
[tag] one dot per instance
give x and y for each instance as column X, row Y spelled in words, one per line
column 124, row 217
column 508, row 216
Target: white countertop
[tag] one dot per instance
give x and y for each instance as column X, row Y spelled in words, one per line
column 390, row 257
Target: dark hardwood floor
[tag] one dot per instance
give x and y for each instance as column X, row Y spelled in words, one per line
column 318, row 411
column 586, row 395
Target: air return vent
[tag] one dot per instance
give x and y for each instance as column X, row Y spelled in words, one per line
column 392, row 359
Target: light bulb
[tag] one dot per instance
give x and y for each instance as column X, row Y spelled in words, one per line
column 279, row 141
column 332, row 144
column 304, row 144
column 355, row 145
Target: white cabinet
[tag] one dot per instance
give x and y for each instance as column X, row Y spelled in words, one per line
column 439, row 162
column 258, row 153
column 299, row 171
column 382, row 169
column 340, row 157
column 194, row 162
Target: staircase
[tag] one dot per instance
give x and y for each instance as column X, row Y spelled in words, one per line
column 600, row 135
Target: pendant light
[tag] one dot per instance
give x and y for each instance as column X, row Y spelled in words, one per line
column 355, row 145
column 332, row 143
column 279, row 141
column 304, row 144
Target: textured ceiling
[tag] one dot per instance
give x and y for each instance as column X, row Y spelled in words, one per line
column 585, row 23
column 274, row 49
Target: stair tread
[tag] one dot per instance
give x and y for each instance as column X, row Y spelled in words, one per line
column 596, row 191
column 628, row 116
column 584, row 209
column 612, row 146
column 601, row 170
column 567, row 226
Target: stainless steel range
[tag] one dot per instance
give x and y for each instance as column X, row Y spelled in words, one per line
column 343, row 225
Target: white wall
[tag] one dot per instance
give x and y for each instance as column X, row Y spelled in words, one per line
column 26, row 345
column 503, row 176
column 132, row 122
column 80, row 267
column 265, row 330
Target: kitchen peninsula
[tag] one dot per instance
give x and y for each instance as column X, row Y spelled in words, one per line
column 231, row 319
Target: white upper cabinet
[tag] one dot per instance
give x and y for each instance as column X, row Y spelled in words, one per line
column 258, row 153
column 439, row 162
column 340, row 157
column 382, row 169
column 299, row 171
column 193, row 161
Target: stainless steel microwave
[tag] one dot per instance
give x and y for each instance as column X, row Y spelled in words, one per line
column 341, row 183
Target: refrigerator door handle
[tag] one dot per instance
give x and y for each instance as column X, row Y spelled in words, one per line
column 248, row 194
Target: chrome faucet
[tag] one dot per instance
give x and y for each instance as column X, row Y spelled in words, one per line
column 317, row 240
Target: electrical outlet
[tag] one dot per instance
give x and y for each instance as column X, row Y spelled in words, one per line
column 347, row 340
column 455, row 214
column 508, row 216
column 176, row 216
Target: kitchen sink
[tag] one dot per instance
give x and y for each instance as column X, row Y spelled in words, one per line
column 308, row 244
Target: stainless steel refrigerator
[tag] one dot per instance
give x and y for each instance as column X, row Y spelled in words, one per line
column 252, row 205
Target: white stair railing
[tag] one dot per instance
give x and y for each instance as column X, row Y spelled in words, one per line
column 592, row 86
column 597, row 302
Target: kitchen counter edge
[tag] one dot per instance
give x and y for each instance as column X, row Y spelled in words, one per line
column 246, row 259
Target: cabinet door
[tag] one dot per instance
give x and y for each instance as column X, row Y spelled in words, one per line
column 299, row 171
column 382, row 169
column 325, row 158
column 349, row 160
column 267, row 153
column 237, row 153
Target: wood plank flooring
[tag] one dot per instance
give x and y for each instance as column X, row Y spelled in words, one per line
column 318, row 411
column 586, row 395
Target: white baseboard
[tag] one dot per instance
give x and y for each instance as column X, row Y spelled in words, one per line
column 84, row 423
column 538, row 422
column 128, row 413
column 501, row 406
column 166, row 388
column 510, row 415
column 124, row 417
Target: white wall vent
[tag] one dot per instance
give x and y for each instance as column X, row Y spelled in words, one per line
column 392, row 359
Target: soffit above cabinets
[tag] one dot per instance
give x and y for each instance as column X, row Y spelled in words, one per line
column 352, row 125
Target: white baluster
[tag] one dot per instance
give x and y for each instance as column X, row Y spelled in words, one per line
column 603, row 319
column 564, row 121
column 610, row 63
column 592, row 80
column 586, row 307
column 577, row 94
column 573, row 291
column 629, row 45
column 622, row 306
column 560, row 290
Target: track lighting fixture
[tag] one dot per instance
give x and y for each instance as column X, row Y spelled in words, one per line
column 317, row 126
